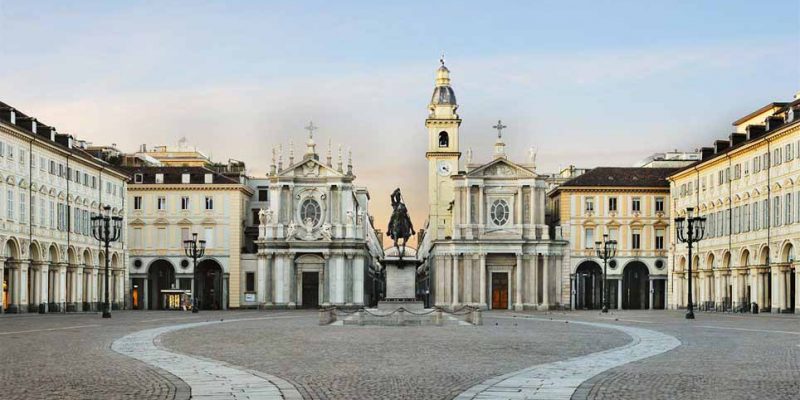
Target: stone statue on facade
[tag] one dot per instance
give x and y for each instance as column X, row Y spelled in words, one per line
column 327, row 234
column 400, row 226
column 291, row 230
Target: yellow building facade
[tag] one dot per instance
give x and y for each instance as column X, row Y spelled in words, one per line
column 631, row 206
column 747, row 188
column 167, row 206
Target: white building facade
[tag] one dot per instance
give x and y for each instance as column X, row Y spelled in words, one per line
column 316, row 244
column 50, row 190
column 486, row 243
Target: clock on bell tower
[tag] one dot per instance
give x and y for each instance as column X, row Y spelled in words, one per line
column 442, row 154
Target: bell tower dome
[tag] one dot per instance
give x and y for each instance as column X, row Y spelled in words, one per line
column 443, row 153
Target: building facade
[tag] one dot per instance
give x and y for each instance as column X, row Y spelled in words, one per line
column 485, row 242
column 316, row 243
column 51, row 188
column 747, row 188
column 169, row 204
column 631, row 206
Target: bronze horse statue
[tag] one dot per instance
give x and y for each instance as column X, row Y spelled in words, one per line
column 400, row 226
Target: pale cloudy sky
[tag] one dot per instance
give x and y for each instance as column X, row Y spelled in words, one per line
column 587, row 83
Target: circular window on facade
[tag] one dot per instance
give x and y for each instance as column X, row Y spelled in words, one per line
column 137, row 263
column 612, row 264
column 500, row 212
column 659, row 264
column 310, row 212
column 184, row 263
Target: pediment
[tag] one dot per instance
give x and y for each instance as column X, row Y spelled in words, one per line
column 503, row 168
column 161, row 221
column 310, row 168
column 184, row 222
column 136, row 221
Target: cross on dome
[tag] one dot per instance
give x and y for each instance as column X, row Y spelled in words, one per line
column 499, row 128
column 311, row 128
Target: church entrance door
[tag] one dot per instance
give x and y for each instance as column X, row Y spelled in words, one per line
column 310, row 289
column 499, row 290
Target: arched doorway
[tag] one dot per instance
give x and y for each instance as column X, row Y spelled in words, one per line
column 310, row 286
column 588, row 286
column 765, row 305
column 160, row 276
column 10, row 282
column 636, row 286
column 208, row 285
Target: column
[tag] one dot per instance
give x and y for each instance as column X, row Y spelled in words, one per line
column 650, row 305
column 2, row 278
column 518, row 208
column 44, row 288
column 619, row 294
column 61, row 281
column 326, row 280
column 261, row 273
column 455, row 280
column 348, row 278
column 469, row 264
column 357, row 265
column 546, row 282
column 481, row 206
column 457, row 222
column 482, row 280
column 469, row 206
column 290, row 274
column 78, row 288
column 269, row 260
column 146, row 292
column 22, row 271
column 519, row 283
column 559, row 264
column 535, row 280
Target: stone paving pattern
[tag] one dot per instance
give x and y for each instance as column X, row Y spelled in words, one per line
column 722, row 356
column 78, row 363
column 368, row 362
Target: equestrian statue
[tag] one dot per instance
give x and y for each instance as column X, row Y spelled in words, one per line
column 400, row 226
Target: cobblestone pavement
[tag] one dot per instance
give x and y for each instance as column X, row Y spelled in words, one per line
column 368, row 362
column 68, row 356
column 209, row 379
column 723, row 356
column 560, row 379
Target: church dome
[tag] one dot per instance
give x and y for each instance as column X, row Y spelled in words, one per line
column 443, row 95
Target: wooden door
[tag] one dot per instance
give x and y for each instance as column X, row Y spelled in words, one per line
column 310, row 289
column 499, row 290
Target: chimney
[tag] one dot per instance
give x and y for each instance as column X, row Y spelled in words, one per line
column 754, row 131
column 28, row 123
column 774, row 122
column 706, row 153
column 736, row 138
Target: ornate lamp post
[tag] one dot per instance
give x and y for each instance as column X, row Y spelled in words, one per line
column 690, row 230
column 195, row 249
column 106, row 229
column 605, row 250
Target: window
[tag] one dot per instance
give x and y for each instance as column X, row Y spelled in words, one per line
column 757, row 165
column 209, row 236
column 186, row 178
column 721, row 178
column 159, row 178
column 138, row 178
column 10, row 204
column 249, row 282
column 42, row 212
column 588, row 242
column 162, row 203
column 263, row 194
column 636, row 204
column 636, row 239
column 310, row 212
column 788, row 207
column 42, row 164
column 500, row 212
column 52, row 214
column 22, row 209
column 737, row 171
column 612, row 204
column 94, row 182
column 746, row 217
column 746, row 168
column 776, row 211
column 765, row 214
column 10, row 152
column 589, row 204
column 2, row 149
column 208, row 178
column 776, row 157
column 137, row 202
column 659, row 239
column 444, row 139
column 659, row 204
column 185, row 203
column 209, row 203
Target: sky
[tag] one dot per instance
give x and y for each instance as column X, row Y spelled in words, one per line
column 594, row 83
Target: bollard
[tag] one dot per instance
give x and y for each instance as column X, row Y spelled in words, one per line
column 477, row 317
column 361, row 317
column 437, row 317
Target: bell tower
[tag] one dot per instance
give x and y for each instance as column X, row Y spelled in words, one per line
column 442, row 154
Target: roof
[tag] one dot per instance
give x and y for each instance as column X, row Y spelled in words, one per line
column 174, row 175
column 622, row 177
column 43, row 134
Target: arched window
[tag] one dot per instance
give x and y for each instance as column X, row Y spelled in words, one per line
column 500, row 212
column 444, row 139
column 310, row 212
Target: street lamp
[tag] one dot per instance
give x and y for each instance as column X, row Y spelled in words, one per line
column 605, row 250
column 693, row 233
column 106, row 229
column 195, row 249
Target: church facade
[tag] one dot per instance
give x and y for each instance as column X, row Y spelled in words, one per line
column 316, row 244
column 485, row 242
